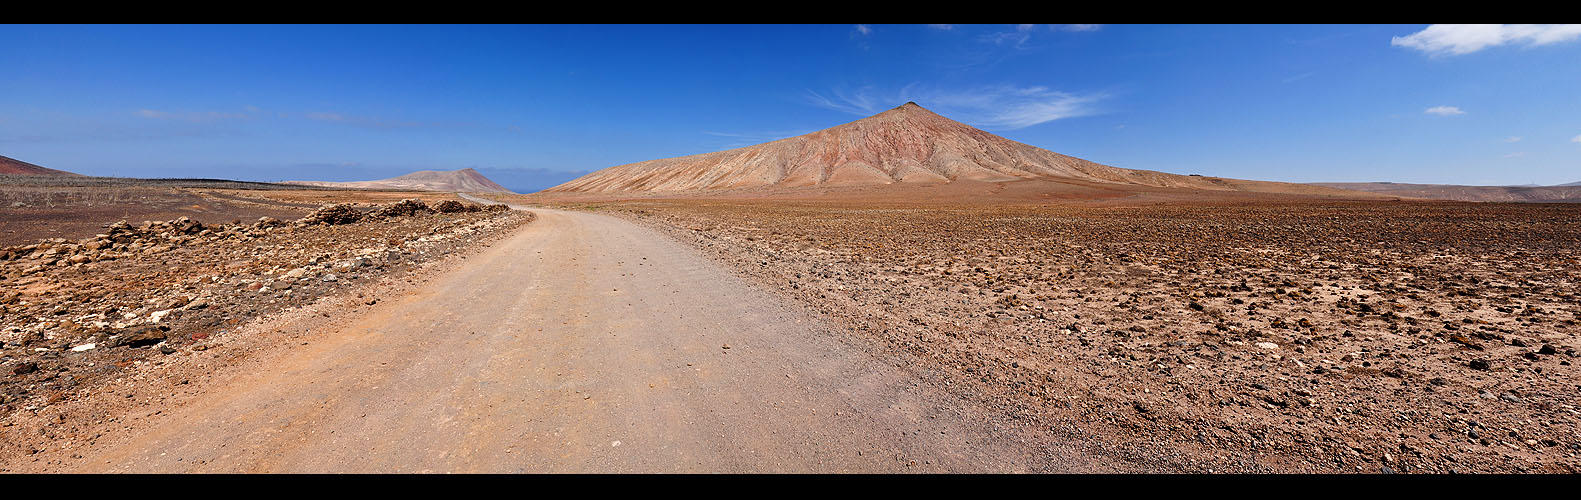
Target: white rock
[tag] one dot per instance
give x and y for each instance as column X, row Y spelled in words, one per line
column 84, row 347
column 1267, row 345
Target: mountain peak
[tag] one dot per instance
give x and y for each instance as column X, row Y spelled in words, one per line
column 907, row 144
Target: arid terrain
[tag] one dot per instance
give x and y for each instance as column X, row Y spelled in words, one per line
column 1295, row 336
column 75, row 207
column 79, row 317
column 903, row 293
column 1033, row 326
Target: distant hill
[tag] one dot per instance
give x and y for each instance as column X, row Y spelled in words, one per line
column 465, row 180
column 901, row 147
column 1565, row 193
column 10, row 166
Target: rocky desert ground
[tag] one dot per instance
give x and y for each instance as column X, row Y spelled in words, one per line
column 116, row 310
column 1145, row 332
column 1294, row 336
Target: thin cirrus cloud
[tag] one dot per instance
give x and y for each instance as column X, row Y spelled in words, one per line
column 1461, row 39
column 253, row 112
column 1023, row 33
column 1576, row 139
column 386, row 123
column 194, row 116
column 1000, row 107
column 364, row 121
column 744, row 139
column 760, row 136
column 1444, row 111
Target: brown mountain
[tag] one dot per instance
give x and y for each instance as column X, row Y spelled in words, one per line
column 10, row 166
column 907, row 145
column 465, row 180
column 1564, row 193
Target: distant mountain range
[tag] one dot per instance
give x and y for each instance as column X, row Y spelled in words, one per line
column 465, row 180
column 1563, row 193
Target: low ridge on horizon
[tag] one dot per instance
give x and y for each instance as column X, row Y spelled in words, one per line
column 1559, row 193
column 466, row 180
column 908, row 144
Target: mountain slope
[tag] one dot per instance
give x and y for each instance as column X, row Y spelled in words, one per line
column 10, row 166
column 465, row 180
column 904, row 145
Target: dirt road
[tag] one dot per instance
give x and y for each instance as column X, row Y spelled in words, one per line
column 584, row 343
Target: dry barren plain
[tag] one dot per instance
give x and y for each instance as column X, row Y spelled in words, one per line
column 1295, row 336
column 134, row 309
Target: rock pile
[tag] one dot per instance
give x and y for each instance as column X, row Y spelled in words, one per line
column 403, row 208
column 342, row 213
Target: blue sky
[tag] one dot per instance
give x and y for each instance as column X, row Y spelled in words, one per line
column 533, row 106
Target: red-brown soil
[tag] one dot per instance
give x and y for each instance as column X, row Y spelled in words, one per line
column 77, row 315
column 1254, row 335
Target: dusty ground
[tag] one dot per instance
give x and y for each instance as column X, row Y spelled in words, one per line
column 77, row 317
column 1262, row 336
column 580, row 343
column 1107, row 333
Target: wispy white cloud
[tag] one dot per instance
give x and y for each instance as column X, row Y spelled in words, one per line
column 1444, row 111
column 942, row 27
column 1296, row 78
column 1023, row 33
column 365, row 121
column 760, row 136
column 1576, row 139
column 1512, row 138
column 744, row 139
column 864, row 29
column 859, row 102
column 1460, row 39
column 995, row 106
column 1017, row 38
column 193, row 116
